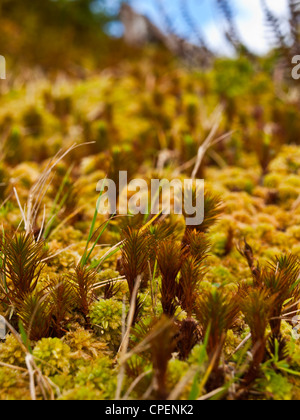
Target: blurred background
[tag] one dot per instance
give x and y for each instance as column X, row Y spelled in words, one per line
column 120, row 73
column 63, row 34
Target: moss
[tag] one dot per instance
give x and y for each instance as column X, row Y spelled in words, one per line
column 13, row 385
column 82, row 393
column 275, row 386
column 106, row 317
column 272, row 180
column 296, row 250
column 288, row 192
column 240, row 184
column 231, row 344
column 176, row 371
column 270, row 252
column 98, row 376
column 293, row 181
column 27, row 173
column 265, row 231
column 11, row 352
column 294, row 232
column 219, row 241
column 169, row 110
column 197, row 354
column 84, row 346
column 220, row 275
column 52, row 356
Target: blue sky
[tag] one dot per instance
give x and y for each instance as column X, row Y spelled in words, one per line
column 249, row 19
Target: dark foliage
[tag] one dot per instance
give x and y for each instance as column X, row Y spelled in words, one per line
column 189, row 335
column 135, row 254
column 21, row 264
column 281, row 281
column 35, row 314
column 192, row 274
column 82, row 282
column 60, row 298
column 170, row 257
column 162, row 345
column 212, row 210
column 256, row 306
column 111, row 290
column 216, row 312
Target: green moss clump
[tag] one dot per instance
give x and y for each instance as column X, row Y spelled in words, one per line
column 177, row 369
column 98, row 376
column 52, row 356
column 219, row 241
column 13, row 385
column 275, row 386
column 106, row 316
column 221, row 275
column 11, row 352
column 84, row 346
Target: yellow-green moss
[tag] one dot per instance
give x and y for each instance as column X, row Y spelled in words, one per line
column 11, row 352
column 106, row 317
column 52, row 356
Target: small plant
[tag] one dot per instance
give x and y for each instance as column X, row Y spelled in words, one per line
column 193, row 269
column 162, row 346
column 191, row 275
column 256, row 305
column 281, row 280
column 161, row 338
column 21, row 265
column 135, row 254
column 111, row 290
column 211, row 212
column 134, row 262
column 11, row 352
column 82, row 282
column 60, row 297
column 52, row 356
column 197, row 245
column 159, row 232
column 84, row 345
column 216, row 312
column 188, row 336
column 106, row 316
column 170, row 257
column 35, row 315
